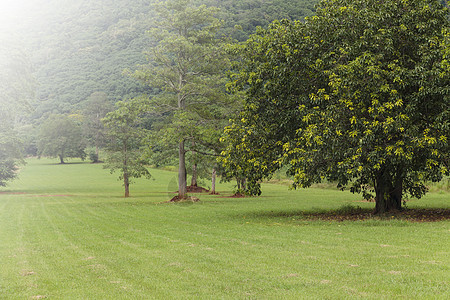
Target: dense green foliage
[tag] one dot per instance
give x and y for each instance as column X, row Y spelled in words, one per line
column 241, row 18
column 188, row 64
column 10, row 150
column 359, row 94
column 78, row 48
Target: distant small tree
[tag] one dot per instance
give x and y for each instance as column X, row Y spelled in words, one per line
column 124, row 141
column 60, row 136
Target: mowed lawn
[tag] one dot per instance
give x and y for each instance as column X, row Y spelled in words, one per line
column 66, row 232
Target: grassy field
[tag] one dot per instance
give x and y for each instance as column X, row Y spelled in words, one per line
column 66, row 232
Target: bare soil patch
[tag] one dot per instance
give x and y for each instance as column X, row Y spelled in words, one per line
column 184, row 199
column 196, row 189
column 27, row 273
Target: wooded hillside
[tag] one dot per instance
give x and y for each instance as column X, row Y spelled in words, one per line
column 78, row 48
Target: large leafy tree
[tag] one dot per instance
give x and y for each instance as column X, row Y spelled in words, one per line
column 125, row 136
column 61, row 136
column 358, row 94
column 186, row 65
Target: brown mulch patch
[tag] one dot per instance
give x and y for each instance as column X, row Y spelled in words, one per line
column 373, row 200
column 196, row 189
column 234, row 196
column 359, row 214
column 237, row 195
column 184, row 199
column 27, row 273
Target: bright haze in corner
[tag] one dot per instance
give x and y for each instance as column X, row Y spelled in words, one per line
column 14, row 14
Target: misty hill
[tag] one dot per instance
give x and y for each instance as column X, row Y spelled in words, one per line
column 81, row 47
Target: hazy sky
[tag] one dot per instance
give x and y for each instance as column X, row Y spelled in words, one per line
column 14, row 13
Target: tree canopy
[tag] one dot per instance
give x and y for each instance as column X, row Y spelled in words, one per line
column 125, row 136
column 358, row 95
column 61, row 136
column 187, row 65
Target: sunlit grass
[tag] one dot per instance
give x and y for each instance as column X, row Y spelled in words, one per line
column 66, row 232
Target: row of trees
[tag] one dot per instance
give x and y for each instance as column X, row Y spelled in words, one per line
column 188, row 111
column 357, row 94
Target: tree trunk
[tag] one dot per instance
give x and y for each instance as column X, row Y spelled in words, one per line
column 241, row 184
column 126, row 184
column 126, row 181
column 194, row 167
column 61, row 159
column 388, row 194
column 213, row 182
column 194, row 175
column 182, row 171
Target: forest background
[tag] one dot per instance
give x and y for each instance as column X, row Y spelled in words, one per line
column 78, row 48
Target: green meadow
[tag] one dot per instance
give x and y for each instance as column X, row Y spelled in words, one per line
column 66, row 232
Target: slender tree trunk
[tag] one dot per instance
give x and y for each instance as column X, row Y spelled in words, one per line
column 182, row 177
column 61, row 159
column 182, row 171
column 126, row 181
column 126, row 184
column 388, row 193
column 194, row 175
column 213, row 182
column 194, row 167
column 241, row 185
